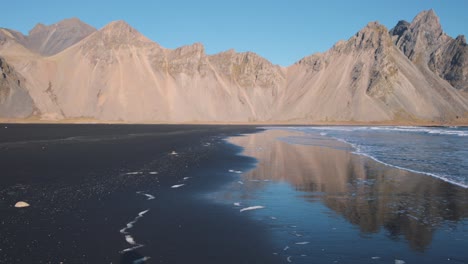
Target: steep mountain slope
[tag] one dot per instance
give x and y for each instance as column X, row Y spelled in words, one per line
column 15, row 101
column 424, row 43
column 368, row 79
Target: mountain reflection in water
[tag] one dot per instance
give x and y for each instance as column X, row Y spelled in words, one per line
column 366, row 193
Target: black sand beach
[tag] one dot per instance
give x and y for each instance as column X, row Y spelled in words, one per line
column 85, row 183
column 173, row 194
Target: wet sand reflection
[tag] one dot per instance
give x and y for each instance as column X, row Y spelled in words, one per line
column 366, row 193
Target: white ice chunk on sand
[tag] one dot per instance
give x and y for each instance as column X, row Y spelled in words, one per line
column 302, row 243
column 21, row 204
column 134, row 173
column 143, row 212
column 130, row 240
column 131, row 249
column 149, row 196
column 173, row 153
column 177, row 186
column 141, row 260
column 252, row 208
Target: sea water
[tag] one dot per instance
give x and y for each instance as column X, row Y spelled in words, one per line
column 440, row 152
column 328, row 195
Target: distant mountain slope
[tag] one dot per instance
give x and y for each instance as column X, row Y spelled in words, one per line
column 404, row 76
column 50, row 40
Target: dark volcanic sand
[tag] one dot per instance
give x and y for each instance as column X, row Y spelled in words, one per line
column 76, row 179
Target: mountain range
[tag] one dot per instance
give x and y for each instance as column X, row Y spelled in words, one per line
column 71, row 72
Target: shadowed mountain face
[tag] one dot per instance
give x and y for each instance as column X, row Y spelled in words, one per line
column 424, row 43
column 14, row 98
column 117, row 74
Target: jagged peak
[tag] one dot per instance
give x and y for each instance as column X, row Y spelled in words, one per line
column 400, row 28
column 193, row 49
column 372, row 36
column 427, row 19
column 461, row 39
column 426, row 15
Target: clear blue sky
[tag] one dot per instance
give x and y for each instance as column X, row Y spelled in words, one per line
column 281, row 31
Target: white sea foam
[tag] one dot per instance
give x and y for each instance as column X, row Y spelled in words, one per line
column 358, row 150
column 289, row 259
column 153, row 172
column 240, row 182
column 441, row 177
column 186, row 178
column 237, row 204
column 302, row 243
column 235, row 171
column 250, row 208
column 177, row 186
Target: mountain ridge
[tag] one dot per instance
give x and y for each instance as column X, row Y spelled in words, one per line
column 116, row 74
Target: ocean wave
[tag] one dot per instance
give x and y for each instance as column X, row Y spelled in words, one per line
column 410, row 129
column 363, row 150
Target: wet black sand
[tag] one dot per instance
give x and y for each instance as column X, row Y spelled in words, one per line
column 86, row 182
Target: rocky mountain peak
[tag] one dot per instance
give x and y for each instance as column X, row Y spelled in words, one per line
column 461, row 39
column 424, row 43
column 196, row 49
column 420, row 38
column 372, row 36
column 427, row 19
column 400, row 28
column 114, row 35
column 248, row 69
